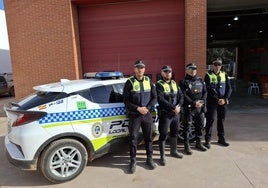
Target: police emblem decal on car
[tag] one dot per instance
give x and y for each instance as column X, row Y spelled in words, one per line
column 97, row 130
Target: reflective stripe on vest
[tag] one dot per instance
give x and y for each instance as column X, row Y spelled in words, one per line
column 213, row 77
column 141, row 97
column 219, row 86
column 136, row 84
column 166, row 86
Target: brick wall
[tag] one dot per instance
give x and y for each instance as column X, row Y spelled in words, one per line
column 196, row 34
column 43, row 42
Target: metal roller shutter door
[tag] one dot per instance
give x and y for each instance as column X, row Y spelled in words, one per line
column 113, row 36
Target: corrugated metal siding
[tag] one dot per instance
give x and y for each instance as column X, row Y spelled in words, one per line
column 114, row 35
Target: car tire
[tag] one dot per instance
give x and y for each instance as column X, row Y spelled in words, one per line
column 11, row 92
column 192, row 134
column 63, row 160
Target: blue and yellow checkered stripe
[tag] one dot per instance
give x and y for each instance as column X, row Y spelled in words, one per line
column 82, row 115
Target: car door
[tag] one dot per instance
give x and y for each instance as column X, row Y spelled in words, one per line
column 104, row 120
column 3, row 85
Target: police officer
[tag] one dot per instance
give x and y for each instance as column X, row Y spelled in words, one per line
column 219, row 91
column 170, row 101
column 195, row 94
column 140, row 97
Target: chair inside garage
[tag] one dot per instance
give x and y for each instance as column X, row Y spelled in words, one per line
column 253, row 88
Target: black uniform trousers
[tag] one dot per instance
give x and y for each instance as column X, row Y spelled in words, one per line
column 214, row 109
column 168, row 121
column 145, row 122
column 195, row 116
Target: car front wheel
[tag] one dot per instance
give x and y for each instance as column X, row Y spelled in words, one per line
column 63, row 160
column 11, row 92
column 191, row 133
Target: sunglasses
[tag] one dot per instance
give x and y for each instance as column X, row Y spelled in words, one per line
column 217, row 64
column 140, row 67
column 167, row 71
column 192, row 68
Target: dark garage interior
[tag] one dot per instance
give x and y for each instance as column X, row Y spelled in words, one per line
column 239, row 35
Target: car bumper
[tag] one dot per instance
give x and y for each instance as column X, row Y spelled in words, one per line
column 15, row 157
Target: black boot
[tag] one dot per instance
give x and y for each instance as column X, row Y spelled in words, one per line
column 173, row 148
column 199, row 145
column 132, row 166
column 162, row 145
column 207, row 144
column 187, row 149
column 150, row 163
column 222, row 142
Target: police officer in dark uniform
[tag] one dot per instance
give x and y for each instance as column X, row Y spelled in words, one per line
column 170, row 100
column 219, row 91
column 195, row 94
column 140, row 97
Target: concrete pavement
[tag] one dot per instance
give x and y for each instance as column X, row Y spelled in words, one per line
column 242, row 164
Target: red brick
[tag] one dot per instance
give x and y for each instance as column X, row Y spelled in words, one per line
column 196, row 34
column 44, row 40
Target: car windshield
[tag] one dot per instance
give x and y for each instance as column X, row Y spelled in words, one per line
column 39, row 98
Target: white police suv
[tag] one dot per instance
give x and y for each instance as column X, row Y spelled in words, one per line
column 65, row 124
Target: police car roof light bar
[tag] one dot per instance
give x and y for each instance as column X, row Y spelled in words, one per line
column 109, row 75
